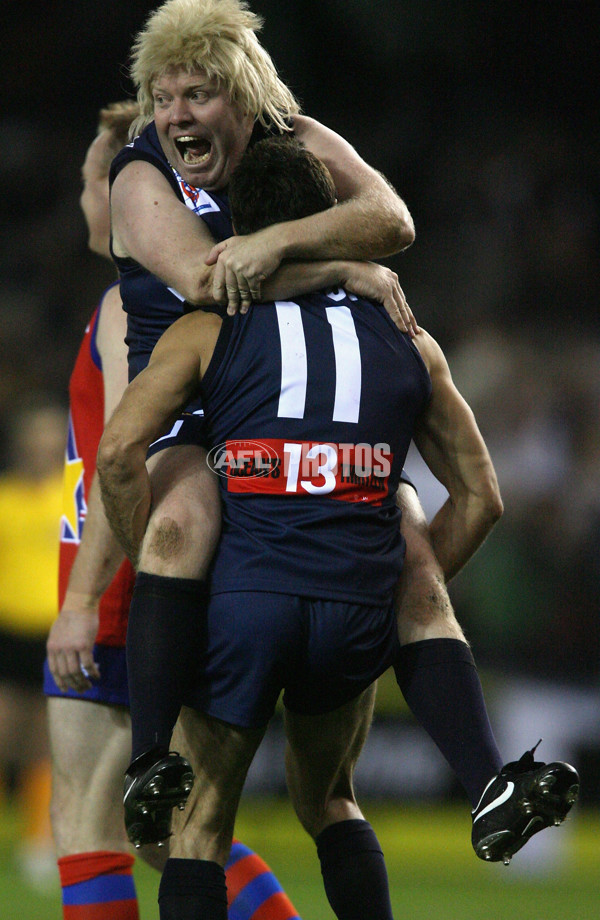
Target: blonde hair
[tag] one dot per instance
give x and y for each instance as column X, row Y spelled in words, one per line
column 219, row 38
column 117, row 118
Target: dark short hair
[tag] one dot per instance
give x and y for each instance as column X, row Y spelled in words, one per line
column 278, row 179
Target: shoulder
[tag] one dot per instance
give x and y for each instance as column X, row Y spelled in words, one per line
column 190, row 339
column 145, row 146
column 142, row 161
column 139, row 171
column 197, row 321
column 303, row 123
column 190, row 329
column 111, row 302
column 430, row 351
column 316, row 136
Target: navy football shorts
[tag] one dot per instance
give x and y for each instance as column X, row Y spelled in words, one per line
column 190, row 428
column 110, row 688
column 322, row 654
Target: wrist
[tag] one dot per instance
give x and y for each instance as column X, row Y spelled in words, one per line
column 348, row 273
column 280, row 241
column 84, row 601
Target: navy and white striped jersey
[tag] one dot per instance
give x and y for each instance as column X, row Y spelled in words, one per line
column 311, row 406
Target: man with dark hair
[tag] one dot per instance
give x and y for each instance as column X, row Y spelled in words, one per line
column 312, row 404
column 303, row 191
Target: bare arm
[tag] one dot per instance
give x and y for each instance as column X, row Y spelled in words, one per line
column 366, row 279
column 72, row 636
column 149, row 406
column 151, row 225
column 375, row 217
column 370, row 220
column 452, row 446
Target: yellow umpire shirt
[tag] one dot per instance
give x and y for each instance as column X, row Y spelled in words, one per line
column 29, row 530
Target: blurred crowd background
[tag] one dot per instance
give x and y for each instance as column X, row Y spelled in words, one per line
column 484, row 116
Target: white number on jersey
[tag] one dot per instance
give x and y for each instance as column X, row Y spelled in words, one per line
column 294, row 367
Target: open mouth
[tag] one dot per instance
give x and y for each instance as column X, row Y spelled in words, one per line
column 193, row 150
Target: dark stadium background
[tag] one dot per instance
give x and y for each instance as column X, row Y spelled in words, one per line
column 484, row 116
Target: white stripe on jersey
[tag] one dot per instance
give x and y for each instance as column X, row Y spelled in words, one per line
column 347, row 365
column 294, row 370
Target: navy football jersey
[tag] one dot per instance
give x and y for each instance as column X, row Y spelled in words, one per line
column 150, row 305
column 311, row 406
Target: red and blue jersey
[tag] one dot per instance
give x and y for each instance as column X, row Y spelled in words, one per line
column 86, row 424
column 311, row 406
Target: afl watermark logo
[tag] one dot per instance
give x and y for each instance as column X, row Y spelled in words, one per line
column 244, row 460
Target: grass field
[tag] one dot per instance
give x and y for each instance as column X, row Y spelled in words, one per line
column 433, row 872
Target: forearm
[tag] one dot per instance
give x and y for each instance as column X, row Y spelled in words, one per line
column 197, row 290
column 369, row 226
column 126, row 495
column 379, row 223
column 70, row 644
column 451, row 444
column 458, row 530
column 474, row 503
column 292, row 279
column 98, row 557
column 365, row 279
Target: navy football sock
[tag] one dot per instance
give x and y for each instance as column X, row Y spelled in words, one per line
column 192, row 888
column 354, row 872
column 164, row 644
column 439, row 681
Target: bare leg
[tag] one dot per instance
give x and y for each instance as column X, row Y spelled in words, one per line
column 193, row 883
column 220, row 755
column 423, row 606
column 321, row 755
column 90, row 748
column 170, row 596
column 185, row 523
column 435, row 668
column 90, row 745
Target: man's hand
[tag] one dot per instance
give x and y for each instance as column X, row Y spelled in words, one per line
column 376, row 282
column 70, row 645
column 242, row 263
